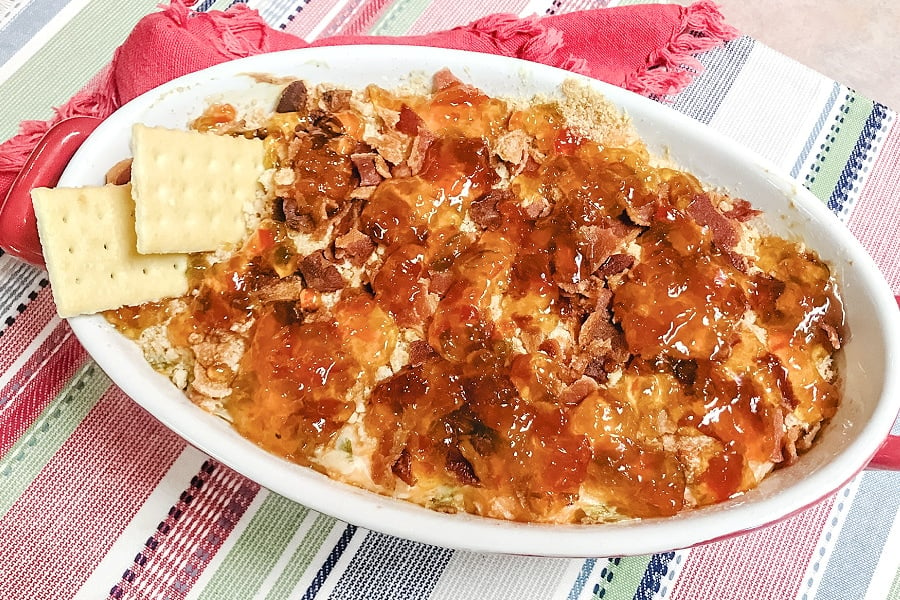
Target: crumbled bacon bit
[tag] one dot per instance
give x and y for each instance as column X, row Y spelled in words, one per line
column 440, row 282
column 462, row 468
column 293, row 98
column 723, row 231
column 419, row 352
column 539, row 207
column 774, row 366
column 355, row 246
column 336, row 100
column 512, row 147
column 402, row 468
column 741, row 210
column 294, row 218
column 409, row 122
column 484, row 211
column 419, row 148
column 319, row 274
column 287, row 288
column 365, row 166
column 614, row 264
column 444, row 79
column 550, row 347
column 578, row 391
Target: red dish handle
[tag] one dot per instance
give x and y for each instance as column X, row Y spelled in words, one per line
column 45, row 164
column 888, row 456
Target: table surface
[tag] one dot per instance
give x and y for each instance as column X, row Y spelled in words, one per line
column 89, row 509
column 855, row 43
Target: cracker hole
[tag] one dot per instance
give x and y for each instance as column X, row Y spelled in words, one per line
column 71, row 250
column 112, row 275
column 105, row 246
column 144, row 271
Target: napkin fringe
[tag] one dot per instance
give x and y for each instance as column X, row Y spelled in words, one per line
column 99, row 97
column 241, row 32
column 671, row 68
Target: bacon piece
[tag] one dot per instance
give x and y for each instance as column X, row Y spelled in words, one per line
column 365, row 166
column 741, row 211
column 409, row 121
column 615, row 264
column 293, row 98
column 550, row 347
column 512, row 147
column 336, row 100
column 419, row 149
column 294, row 217
column 540, row 207
column 578, row 391
column 419, row 352
column 484, row 211
column 355, row 246
column 724, row 234
column 444, row 79
column 597, row 332
column 402, row 468
column 457, row 464
column 782, row 380
column 440, row 282
column 320, row 274
column 287, row 288
column 411, row 124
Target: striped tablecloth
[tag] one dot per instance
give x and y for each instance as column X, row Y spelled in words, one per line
column 97, row 499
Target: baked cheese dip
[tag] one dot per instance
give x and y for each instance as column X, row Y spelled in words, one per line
column 505, row 307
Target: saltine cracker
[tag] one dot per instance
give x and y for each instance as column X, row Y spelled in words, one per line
column 190, row 188
column 89, row 245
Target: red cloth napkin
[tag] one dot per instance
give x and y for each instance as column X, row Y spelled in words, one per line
column 645, row 48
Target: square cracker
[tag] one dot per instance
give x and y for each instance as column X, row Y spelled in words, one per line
column 88, row 239
column 190, row 188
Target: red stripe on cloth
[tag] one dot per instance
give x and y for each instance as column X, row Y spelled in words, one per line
column 363, row 18
column 38, row 382
column 771, row 562
column 189, row 536
column 443, row 15
column 308, row 17
column 876, row 213
column 25, row 328
column 62, row 526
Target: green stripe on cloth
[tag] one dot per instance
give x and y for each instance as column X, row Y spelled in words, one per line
column 894, row 592
column 48, row 433
column 257, row 549
column 301, row 558
column 68, row 60
column 837, row 145
column 399, row 17
column 620, row 578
